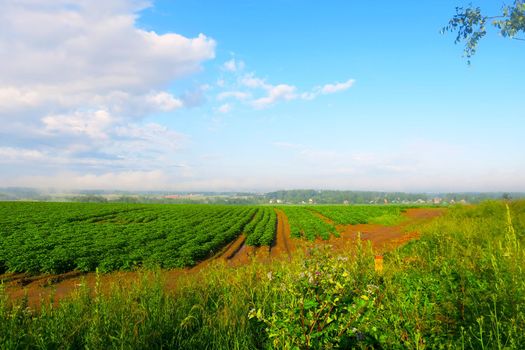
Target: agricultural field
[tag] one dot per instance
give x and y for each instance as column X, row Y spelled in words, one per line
column 320, row 221
column 344, row 215
column 459, row 285
column 60, row 237
column 304, row 223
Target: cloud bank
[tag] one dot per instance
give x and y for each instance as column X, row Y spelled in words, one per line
column 77, row 80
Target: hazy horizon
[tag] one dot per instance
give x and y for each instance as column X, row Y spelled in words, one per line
column 207, row 96
column 75, row 191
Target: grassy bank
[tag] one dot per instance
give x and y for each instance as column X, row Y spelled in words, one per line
column 462, row 285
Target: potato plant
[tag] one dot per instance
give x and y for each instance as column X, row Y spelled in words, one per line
column 364, row 214
column 261, row 230
column 60, row 237
column 304, row 223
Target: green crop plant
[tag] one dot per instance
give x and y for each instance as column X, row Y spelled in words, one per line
column 362, row 214
column 304, row 223
column 60, row 237
column 261, row 231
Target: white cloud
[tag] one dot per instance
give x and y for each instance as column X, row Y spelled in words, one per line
column 164, row 101
column 77, row 78
column 253, row 82
column 309, row 95
column 233, row 65
column 281, row 92
column 93, row 124
column 101, row 148
column 337, row 87
column 327, row 89
column 9, row 154
column 123, row 180
column 13, row 98
column 262, row 94
column 85, row 55
column 238, row 95
column 225, row 108
column 115, row 180
column 144, row 139
column 87, row 46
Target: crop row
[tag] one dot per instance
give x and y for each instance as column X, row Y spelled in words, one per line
column 353, row 215
column 304, row 223
column 261, row 231
column 60, row 237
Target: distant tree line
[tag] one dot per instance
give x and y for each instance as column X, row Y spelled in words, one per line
column 367, row 197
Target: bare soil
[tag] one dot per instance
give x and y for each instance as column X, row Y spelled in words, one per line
column 284, row 244
column 241, row 254
column 382, row 238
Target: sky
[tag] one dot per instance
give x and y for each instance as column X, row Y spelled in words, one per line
column 193, row 95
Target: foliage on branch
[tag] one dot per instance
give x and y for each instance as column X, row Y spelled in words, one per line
column 471, row 25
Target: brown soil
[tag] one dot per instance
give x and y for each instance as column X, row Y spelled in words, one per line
column 284, row 244
column 424, row 213
column 324, row 218
column 238, row 253
column 58, row 287
column 382, row 238
column 234, row 248
column 241, row 254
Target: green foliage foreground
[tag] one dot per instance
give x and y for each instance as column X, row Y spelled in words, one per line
column 462, row 285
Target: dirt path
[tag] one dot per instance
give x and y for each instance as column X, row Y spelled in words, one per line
column 234, row 248
column 239, row 253
column 283, row 244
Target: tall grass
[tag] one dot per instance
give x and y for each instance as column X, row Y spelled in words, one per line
column 462, row 285
column 208, row 310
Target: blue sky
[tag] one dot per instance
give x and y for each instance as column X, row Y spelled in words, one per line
column 251, row 95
